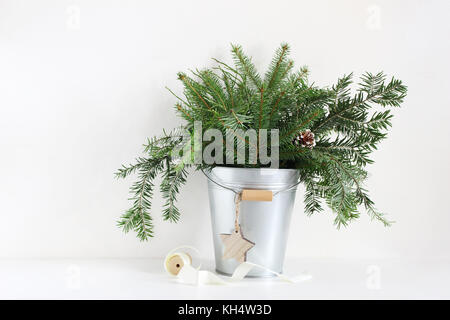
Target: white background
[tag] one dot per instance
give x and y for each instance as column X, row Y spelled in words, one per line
column 82, row 85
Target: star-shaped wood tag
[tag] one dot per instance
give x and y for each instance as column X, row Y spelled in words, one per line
column 236, row 246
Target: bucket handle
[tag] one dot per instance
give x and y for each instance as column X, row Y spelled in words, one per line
column 250, row 196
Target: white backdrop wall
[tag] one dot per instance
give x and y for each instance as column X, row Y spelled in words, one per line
column 82, row 84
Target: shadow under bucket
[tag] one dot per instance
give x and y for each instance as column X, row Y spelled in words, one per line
column 265, row 223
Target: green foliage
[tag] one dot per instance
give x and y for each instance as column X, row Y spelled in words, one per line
column 173, row 178
column 347, row 126
column 158, row 161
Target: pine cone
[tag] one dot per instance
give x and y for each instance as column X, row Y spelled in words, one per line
column 305, row 139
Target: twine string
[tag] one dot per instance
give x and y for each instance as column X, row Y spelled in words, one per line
column 237, row 202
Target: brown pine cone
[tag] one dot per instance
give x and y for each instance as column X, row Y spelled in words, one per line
column 305, row 139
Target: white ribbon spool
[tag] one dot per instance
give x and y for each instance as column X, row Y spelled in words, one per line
column 179, row 264
column 176, row 261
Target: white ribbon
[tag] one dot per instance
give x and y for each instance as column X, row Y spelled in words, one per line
column 194, row 276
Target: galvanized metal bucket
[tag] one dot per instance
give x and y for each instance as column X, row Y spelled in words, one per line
column 266, row 224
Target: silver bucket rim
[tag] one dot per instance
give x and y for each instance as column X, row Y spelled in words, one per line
column 274, row 179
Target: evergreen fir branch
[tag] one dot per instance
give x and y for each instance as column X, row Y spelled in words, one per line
column 244, row 65
column 128, row 221
column 176, row 96
column 356, row 154
column 232, row 71
column 372, row 84
column 125, row 171
column 293, row 154
column 299, row 78
column 304, row 124
column 380, row 120
column 375, row 91
column 279, row 66
column 186, row 114
column 342, row 203
column 144, row 190
column 158, row 146
column 275, row 106
column 212, row 82
column 313, row 196
column 261, row 108
column 228, row 86
column 137, row 218
column 236, row 121
column 371, row 210
column 342, row 89
column 287, row 70
column 193, row 90
column 188, row 84
column 173, row 178
column 346, row 128
column 392, row 95
column 361, row 194
column 241, row 120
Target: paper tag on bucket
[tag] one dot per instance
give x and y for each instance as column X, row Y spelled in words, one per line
column 257, row 195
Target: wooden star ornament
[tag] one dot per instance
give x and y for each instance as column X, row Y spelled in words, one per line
column 236, row 246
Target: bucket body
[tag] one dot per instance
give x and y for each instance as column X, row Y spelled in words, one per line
column 266, row 224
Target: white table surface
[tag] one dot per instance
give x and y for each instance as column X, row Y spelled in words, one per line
column 146, row 279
